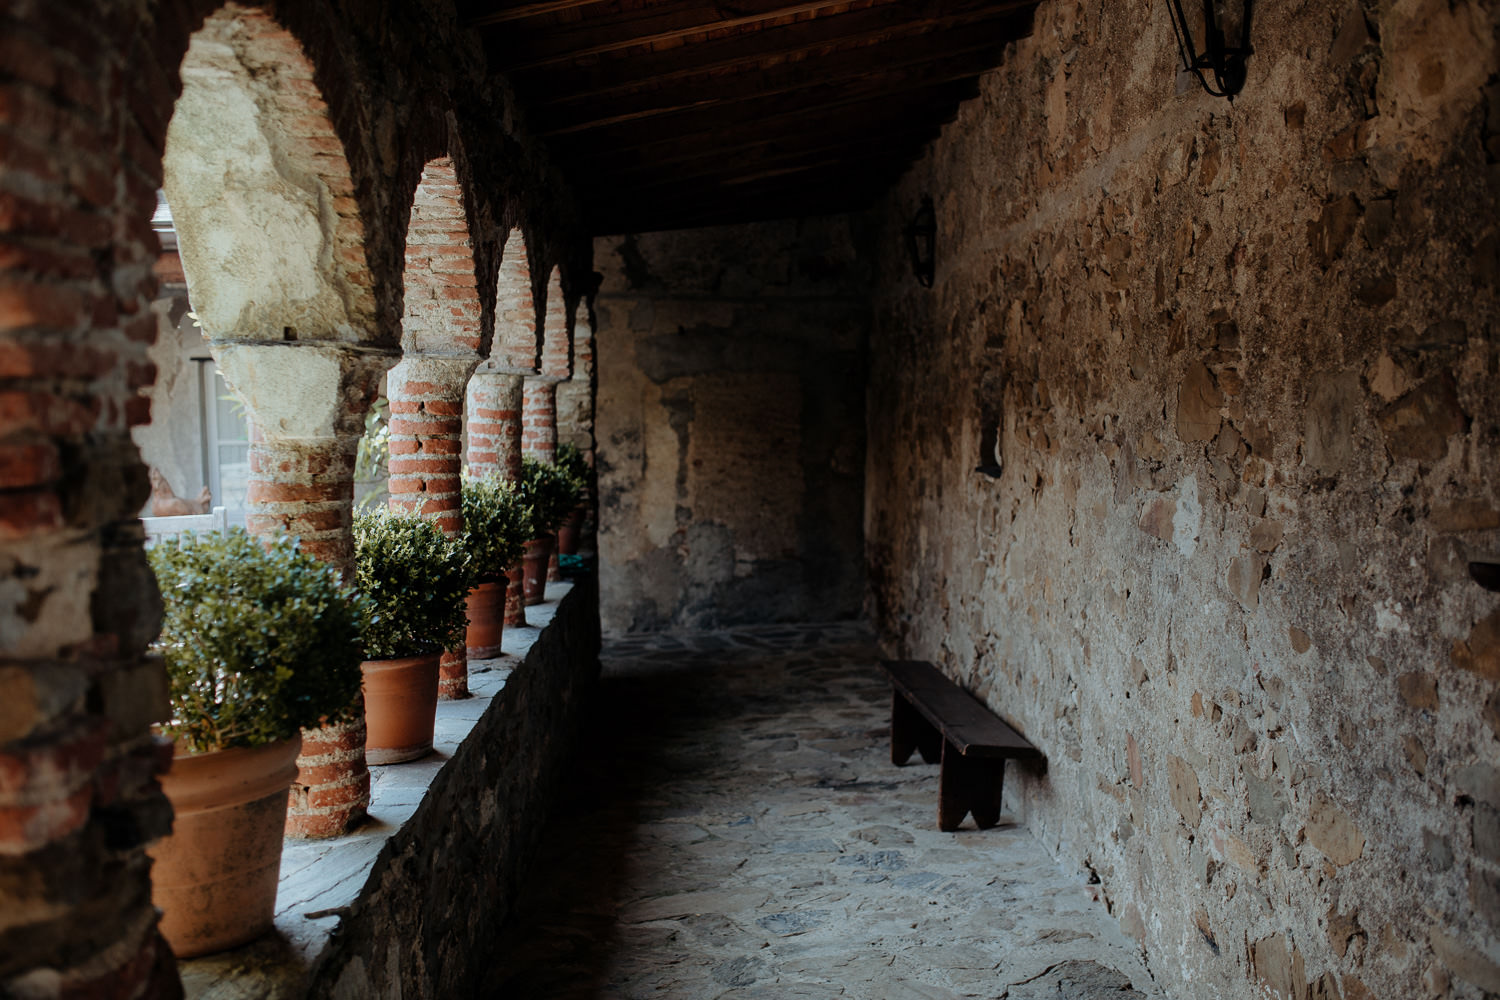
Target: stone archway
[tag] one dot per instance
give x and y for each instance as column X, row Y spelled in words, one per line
column 441, row 335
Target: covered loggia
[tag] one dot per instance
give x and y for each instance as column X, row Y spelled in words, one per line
column 1161, row 423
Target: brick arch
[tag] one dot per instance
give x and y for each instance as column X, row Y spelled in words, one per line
column 518, row 326
column 557, row 330
column 442, row 313
column 262, row 196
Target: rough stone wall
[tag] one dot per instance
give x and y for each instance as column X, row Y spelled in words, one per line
column 425, row 924
column 1242, row 361
column 730, row 425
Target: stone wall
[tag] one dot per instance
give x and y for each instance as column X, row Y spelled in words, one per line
column 730, row 425
column 1231, row 369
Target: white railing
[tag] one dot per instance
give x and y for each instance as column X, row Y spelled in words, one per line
column 158, row 528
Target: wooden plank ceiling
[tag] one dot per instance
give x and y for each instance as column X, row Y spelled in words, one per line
column 666, row 114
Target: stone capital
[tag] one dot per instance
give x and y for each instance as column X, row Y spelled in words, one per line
column 437, row 375
column 303, row 389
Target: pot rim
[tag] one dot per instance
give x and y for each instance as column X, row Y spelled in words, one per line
column 220, row 779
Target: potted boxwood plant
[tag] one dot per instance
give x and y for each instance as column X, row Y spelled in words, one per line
column 260, row 640
column 496, row 526
column 414, row 580
column 571, row 461
column 549, row 494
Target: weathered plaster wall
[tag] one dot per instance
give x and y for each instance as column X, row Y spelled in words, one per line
column 730, row 425
column 173, row 441
column 1243, row 360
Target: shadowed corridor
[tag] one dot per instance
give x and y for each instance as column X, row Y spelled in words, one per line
column 734, row 828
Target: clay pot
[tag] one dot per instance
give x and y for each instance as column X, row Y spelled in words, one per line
column 400, row 707
column 486, row 610
column 534, row 561
column 215, row 876
column 567, row 535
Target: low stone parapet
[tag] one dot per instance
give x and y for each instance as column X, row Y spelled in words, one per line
column 407, row 905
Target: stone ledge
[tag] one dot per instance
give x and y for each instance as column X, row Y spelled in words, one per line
column 400, row 907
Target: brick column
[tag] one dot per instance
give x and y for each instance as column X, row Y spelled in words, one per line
column 427, row 403
column 494, row 430
column 305, row 487
column 494, row 423
column 308, row 401
column 539, row 419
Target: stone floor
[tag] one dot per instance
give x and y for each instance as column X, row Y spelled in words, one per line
column 735, row 830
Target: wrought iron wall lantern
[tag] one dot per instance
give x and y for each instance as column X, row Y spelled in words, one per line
column 921, row 243
column 1226, row 44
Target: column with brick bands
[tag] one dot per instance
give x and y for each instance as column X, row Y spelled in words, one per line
column 493, row 426
column 427, row 403
column 539, row 419
column 302, row 483
column 305, row 488
column 79, row 800
column 493, row 423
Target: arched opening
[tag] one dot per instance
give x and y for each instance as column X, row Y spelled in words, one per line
column 271, row 253
column 494, row 401
column 440, row 337
column 272, row 246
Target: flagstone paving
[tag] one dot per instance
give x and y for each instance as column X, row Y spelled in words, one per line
column 735, row 830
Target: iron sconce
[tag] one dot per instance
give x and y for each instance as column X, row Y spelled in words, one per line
column 921, row 243
column 1226, row 44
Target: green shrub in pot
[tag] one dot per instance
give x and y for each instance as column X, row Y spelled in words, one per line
column 414, row 579
column 549, row 492
column 497, row 523
column 260, row 639
column 571, row 461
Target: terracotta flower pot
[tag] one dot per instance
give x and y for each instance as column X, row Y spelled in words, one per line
column 400, row 707
column 486, row 611
column 215, row 876
column 567, row 535
column 534, row 559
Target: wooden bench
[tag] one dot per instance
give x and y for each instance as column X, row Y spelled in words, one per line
column 947, row 725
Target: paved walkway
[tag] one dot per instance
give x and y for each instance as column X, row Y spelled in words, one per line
column 735, row 830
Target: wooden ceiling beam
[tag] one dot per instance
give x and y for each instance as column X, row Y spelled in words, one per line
column 519, row 11
column 616, row 74
column 942, row 55
column 771, row 152
column 784, row 107
column 777, row 200
column 831, row 175
column 588, row 153
column 530, row 48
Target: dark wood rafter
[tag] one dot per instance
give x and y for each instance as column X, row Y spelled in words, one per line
column 945, row 56
column 886, row 117
column 675, row 113
column 782, row 108
column 650, row 26
column 887, row 24
column 770, row 153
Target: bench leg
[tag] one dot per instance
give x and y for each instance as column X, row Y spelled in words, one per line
column 969, row 785
column 985, row 804
column 910, row 731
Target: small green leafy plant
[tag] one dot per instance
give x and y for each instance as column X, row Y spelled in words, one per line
column 260, row 639
column 571, row 460
column 497, row 524
column 549, row 492
column 415, row 579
